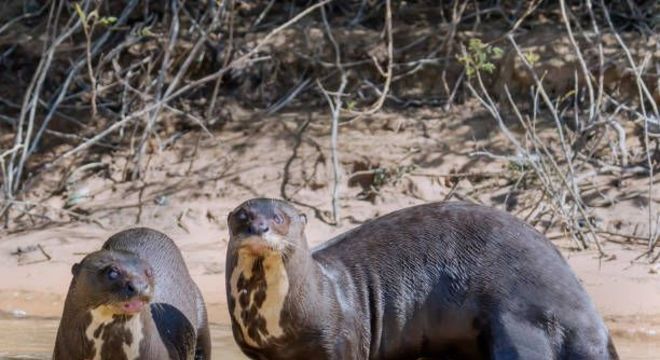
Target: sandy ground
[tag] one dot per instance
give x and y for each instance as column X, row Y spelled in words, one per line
column 192, row 185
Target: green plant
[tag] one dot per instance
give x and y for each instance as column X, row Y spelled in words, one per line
column 385, row 176
column 532, row 57
column 89, row 22
column 93, row 18
column 479, row 57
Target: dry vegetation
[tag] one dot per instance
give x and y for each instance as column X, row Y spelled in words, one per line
column 572, row 86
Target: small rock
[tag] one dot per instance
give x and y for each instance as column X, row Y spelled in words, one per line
column 423, row 188
column 18, row 313
column 211, row 217
column 161, row 200
column 77, row 197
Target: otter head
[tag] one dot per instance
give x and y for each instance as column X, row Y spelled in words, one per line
column 263, row 226
column 120, row 281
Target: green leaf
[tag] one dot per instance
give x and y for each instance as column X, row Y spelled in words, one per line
column 497, row 53
column 532, row 57
column 80, row 12
column 489, row 68
column 146, row 32
column 107, row 20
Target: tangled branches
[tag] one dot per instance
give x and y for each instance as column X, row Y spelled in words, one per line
column 82, row 78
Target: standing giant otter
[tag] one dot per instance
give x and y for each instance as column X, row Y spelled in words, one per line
column 133, row 299
column 444, row 280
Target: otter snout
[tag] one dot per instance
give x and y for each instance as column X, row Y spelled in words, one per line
column 258, row 226
column 135, row 291
column 137, row 288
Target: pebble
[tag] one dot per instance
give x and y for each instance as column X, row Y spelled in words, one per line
column 18, row 313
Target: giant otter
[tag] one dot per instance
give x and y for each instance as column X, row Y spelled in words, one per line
column 133, row 299
column 443, row 280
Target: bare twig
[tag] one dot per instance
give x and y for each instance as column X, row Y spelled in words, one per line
column 229, row 48
column 241, row 61
column 166, row 63
column 583, row 64
column 88, row 24
column 335, row 106
column 390, row 63
column 643, row 92
column 571, row 185
column 643, row 89
column 29, row 107
column 41, row 248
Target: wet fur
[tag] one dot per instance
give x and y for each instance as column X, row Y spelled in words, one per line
column 444, row 280
column 174, row 326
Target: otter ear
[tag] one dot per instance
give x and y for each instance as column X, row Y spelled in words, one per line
column 303, row 218
column 75, row 269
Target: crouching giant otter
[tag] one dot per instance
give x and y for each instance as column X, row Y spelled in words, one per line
column 443, row 280
column 133, row 299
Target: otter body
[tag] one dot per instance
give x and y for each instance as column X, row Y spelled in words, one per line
column 133, row 299
column 444, row 280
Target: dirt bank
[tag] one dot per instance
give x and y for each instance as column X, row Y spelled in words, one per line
column 191, row 186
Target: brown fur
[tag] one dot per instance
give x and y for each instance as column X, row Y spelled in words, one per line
column 171, row 325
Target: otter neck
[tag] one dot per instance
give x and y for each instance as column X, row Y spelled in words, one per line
column 103, row 334
column 307, row 288
column 271, row 292
column 113, row 336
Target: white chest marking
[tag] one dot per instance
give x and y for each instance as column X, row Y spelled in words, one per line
column 101, row 317
column 134, row 326
column 277, row 287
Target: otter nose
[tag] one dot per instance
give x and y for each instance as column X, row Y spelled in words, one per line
column 258, row 226
column 130, row 289
column 135, row 288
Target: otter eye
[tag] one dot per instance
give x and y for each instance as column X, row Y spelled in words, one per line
column 113, row 274
column 242, row 215
column 278, row 219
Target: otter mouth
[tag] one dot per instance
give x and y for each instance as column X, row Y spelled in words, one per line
column 257, row 246
column 129, row 307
